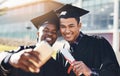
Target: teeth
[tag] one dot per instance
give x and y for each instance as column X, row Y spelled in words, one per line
column 68, row 35
column 48, row 39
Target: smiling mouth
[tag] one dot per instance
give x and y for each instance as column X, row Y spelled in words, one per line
column 48, row 39
column 67, row 36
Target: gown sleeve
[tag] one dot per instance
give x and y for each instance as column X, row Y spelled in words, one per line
column 4, row 58
column 109, row 65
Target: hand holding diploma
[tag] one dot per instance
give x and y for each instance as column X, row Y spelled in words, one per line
column 68, row 58
column 78, row 67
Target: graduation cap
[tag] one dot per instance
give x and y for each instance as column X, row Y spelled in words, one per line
column 68, row 11
column 48, row 18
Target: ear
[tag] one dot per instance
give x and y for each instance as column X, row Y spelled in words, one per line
column 79, row 25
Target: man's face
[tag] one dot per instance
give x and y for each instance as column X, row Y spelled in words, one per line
column 69, row 29
column 48, row 33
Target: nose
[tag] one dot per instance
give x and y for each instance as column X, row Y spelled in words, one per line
column 49, row 33
column 67, row 30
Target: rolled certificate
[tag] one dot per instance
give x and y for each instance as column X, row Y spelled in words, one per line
column 45, row 51
column 67, row 55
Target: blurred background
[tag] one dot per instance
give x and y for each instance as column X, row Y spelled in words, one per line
column 16, row 28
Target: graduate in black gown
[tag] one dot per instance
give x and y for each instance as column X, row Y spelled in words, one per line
column 94, row 55
column 47, row 25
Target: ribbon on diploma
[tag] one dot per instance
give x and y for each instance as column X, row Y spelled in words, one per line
column 68, row 57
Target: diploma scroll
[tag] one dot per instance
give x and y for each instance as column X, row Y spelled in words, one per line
column 67, row 55
column 69, row 58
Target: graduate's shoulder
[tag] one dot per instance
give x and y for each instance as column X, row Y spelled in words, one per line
column 94, row 37
column 20, row 48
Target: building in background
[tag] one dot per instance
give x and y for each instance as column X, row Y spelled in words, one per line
column 15, row 22
column 103, row 19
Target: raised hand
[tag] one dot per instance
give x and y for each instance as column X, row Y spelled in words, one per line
column 27, row 60
column 80, row 68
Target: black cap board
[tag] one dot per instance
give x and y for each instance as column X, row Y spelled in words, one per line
column 68, row 11
column 49, row 17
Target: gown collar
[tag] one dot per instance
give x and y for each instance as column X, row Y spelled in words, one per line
column 77, row 40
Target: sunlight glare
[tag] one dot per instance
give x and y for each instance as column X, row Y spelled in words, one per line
column 12, row 3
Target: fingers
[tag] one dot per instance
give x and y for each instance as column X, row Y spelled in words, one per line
column 77, row 68
column 33, row 56
column 16, row 57
column 80, row 68
column 29, row 61
column 27, row 64
column 28, row 69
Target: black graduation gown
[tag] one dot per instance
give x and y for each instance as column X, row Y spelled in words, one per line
column 51, row 68
column 96, row 53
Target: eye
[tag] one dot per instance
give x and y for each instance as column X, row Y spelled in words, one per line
column 45, row 31
column 54, row 32
column 71, row 25
column 62, row 26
